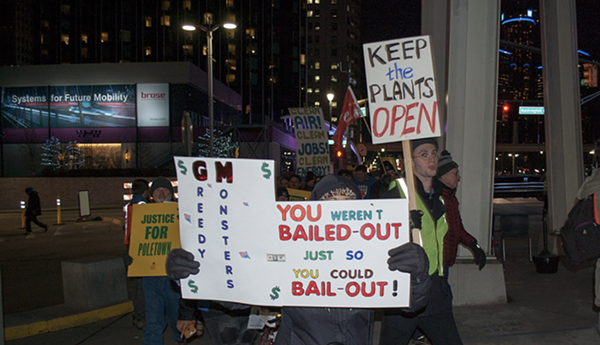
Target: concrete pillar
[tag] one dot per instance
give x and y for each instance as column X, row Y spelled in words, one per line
column 564, row 152
column 434, row 22
column 471, row 119
column 466, row 39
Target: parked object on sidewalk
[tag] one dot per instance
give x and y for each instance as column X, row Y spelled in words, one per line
column 546, row 262
column 514, row 226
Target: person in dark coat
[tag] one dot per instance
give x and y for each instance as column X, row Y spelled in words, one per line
column 34, row 209
column 448, row 174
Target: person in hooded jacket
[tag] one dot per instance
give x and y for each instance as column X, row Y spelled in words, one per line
column 332, row 326
column 34, row 209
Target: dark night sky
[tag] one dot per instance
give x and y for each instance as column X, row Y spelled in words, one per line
column 385, row 20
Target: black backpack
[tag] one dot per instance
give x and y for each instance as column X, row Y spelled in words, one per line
column 581, row 234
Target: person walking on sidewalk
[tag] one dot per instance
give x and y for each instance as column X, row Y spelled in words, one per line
column 34, row 209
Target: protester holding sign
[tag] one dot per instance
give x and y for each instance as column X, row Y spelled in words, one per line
column 161, row 294
column 348, row 326
column 436, row 320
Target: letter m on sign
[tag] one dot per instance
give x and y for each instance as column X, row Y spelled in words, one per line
column 224, row 172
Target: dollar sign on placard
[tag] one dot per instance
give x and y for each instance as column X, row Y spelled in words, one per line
column 265, row 169
column 182, row 166
column 193, row 288
column 275, row 293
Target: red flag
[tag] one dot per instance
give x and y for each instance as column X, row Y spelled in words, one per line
column 350, row 112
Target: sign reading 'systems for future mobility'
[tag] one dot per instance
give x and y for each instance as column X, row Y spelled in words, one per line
column 254, row 250
column 312, row 142
column 403, row 102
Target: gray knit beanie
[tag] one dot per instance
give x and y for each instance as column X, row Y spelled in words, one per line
column 445, row 163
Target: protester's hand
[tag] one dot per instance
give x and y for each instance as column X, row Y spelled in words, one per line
column 409, row 258
column 478, row 254
column 127, row 259
column 415, row 219
column 180, row 264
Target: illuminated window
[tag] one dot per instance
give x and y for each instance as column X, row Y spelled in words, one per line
column 334, row 13
column 317, row 90
column 249, row 32
column 334, row 104
column 309, row 90
column 84, row 38
column 334, row 66
column 317, row 65
column 165, row 5
column 148, row 50
column 309, row 13
column 317, row 78
column 187, row 4
column 64, row 38
column 309, row 1
column 317, row 2
column 334, row 78
column 230, row 78
column 317, row 26
column 317, row 104
column 302, row 59
column 165, row 20
column 334, row 2
column 188, row 49
column 231, row 49
column 104, row 37
column 229, row 3
column 45, row 24
column 148, row 21
column 317, row 13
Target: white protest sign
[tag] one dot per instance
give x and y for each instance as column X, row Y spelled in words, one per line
column 403, row 101
column 312, row 141
column 254, row 250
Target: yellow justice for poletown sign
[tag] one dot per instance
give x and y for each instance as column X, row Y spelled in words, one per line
column 154, row 233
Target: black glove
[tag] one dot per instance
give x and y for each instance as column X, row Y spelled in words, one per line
column 409, row 258
column 180, row 264
column 415, row 219
column 127, row 259
column 478, row 254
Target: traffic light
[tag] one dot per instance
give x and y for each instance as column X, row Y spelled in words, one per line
column 590, row 75
column 505, row 109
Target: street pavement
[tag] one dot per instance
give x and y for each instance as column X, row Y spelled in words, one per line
column 541, row 308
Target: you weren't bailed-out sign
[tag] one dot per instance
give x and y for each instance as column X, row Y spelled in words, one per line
column 254, row 250
column 401, row 88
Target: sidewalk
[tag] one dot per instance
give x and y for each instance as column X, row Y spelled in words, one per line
column 541, row 309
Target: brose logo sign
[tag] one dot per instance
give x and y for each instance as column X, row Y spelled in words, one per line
column 152, row 95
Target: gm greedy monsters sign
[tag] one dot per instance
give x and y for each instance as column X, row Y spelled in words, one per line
column 401, row 89
column 254, row 250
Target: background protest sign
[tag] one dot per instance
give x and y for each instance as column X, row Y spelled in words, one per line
column 298, row 194
column 154, row 233
column 401, row 90
column 254, row 250
column 312, row 147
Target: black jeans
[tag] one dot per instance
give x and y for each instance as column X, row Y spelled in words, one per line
column 436, row 321
column 33, row 218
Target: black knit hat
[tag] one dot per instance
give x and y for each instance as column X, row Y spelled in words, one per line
column 161, row 182
column 334, row 185
column 419, row 142
column 445, row 163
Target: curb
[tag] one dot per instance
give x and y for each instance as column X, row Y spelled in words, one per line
column 61, row 323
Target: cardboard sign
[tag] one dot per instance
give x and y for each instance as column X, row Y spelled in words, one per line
column 154, row 233
column 312, row 141
column 403, row 102
column 254, row 250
